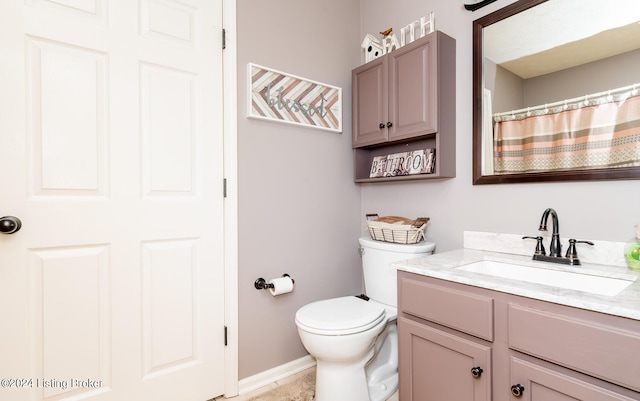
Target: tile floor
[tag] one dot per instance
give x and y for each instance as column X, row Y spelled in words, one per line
column 297, row 387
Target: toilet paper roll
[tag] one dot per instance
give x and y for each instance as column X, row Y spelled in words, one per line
column 281, row 285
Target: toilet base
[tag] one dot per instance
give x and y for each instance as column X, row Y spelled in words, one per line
column 340, row 382
column 372, row 378
column 382, row 370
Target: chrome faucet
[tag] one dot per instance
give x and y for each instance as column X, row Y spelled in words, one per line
column 555, row 248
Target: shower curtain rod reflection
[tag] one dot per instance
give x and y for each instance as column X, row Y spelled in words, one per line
column 593, row 99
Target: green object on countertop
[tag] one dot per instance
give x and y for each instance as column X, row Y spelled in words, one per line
column 632, row 251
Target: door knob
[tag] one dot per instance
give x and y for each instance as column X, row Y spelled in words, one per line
column 9, row 224
column 476, row 372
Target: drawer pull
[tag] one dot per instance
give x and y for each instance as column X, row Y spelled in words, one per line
column 476, row 372
column 517, row 390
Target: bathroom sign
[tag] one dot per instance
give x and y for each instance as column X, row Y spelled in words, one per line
column 421, row 161
column 281, row 97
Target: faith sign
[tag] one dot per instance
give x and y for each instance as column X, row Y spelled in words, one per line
column 281, row 97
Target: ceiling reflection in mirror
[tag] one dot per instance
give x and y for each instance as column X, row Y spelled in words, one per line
column 549, row 74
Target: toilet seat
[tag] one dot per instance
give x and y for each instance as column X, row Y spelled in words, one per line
column 339, row 316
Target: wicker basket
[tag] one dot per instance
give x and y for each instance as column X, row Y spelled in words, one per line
column 397, row 229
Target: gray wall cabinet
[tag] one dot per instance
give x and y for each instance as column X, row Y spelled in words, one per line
column 405, row 100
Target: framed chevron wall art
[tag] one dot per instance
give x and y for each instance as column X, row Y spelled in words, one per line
column 280, row 97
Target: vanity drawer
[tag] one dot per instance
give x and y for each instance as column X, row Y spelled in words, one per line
column 582, row 345
column 462, row 311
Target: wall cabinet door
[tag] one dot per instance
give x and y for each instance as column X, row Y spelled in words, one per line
column 541, row 384
column 413, row 78
column 435, row 365
column 370, row 102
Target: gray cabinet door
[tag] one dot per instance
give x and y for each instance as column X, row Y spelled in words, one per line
column 370, row 103
column 542, row 384
column 435, row 365
column 413, row 79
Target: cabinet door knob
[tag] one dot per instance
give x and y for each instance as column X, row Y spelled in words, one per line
column 381, row 126
column 389, row 125
column 476, row 372
column 517, row 390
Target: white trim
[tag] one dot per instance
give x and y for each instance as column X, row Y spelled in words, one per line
column 230, row 104
column 278, row 373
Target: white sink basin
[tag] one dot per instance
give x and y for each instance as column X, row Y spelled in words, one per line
column 556, row 278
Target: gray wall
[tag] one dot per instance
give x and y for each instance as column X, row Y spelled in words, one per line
column 301, row 213
column 510, row 92
column 299, row 210
column 598, row 76
column 506, row 88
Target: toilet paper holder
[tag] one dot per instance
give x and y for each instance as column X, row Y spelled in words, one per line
column 261, row 284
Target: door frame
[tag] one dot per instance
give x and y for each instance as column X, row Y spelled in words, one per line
column 230, row 131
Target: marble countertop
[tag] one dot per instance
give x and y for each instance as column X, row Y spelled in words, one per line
column 443, row 266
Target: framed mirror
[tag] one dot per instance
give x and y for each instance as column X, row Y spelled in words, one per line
column 551, row 79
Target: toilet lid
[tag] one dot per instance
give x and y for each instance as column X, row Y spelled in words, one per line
column 339, row 316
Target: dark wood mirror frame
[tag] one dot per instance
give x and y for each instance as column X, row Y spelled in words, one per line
column 622, row 173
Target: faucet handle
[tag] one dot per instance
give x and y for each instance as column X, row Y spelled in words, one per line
column 539, row 246
column 572, row 253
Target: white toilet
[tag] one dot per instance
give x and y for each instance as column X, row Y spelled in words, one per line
column 355, row 341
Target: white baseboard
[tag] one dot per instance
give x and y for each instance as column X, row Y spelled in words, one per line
column 273, row 375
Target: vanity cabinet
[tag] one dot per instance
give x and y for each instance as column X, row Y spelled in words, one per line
column 526, row 349
column 404, row 101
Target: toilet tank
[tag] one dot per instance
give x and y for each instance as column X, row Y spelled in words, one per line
column 380, row 278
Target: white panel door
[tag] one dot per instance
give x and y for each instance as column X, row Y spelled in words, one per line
column 111, row 150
